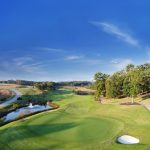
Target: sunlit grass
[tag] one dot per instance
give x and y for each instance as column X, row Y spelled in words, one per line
column 79, row 124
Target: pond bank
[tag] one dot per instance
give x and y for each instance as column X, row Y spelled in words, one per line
column 37, row 110
column 13, row 99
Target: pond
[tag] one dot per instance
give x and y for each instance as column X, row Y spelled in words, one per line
column 25, row 110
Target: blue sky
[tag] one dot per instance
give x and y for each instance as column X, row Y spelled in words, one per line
column 63, row 40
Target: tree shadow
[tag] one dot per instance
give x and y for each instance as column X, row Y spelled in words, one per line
column 50, row 128
column 23, row 132
column 42, row 98
column 146, row 97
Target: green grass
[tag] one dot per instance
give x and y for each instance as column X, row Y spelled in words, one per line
column 80, row 124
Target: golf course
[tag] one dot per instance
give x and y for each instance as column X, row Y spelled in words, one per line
column 80, row 123
column 75, row 75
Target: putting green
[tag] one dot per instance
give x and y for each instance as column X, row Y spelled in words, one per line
column 57, row 130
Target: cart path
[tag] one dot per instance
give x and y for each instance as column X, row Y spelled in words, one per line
column 17, row 95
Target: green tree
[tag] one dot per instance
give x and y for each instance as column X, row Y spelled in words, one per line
column 131, row 82
column 110, row 88
column 114, row 84
column 100, row 79
column 131, row 85
column 129, row 67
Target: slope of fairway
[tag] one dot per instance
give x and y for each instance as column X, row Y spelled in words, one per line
column 80, row 124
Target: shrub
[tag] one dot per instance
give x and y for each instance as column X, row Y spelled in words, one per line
column 15, row 105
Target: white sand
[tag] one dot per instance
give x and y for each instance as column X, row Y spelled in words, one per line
column 126, row 139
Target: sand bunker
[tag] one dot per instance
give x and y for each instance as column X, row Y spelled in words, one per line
column 126, row 139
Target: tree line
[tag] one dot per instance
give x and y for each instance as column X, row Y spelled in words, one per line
column 74, row 83
column 50, row 86
column 31, row 83
column 129, row 82
column 19, row 82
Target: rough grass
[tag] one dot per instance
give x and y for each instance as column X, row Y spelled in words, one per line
column 121, row 100
column 8, row 86
column 79, row 88
column 29, row 91
column 80, row 124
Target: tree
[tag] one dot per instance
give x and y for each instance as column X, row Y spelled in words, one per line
column 135, row 84
column 129, row 67
column 143, row 67
column 131, row 82
column 45, row 86
column 126, row 86
column 110, row 88
column 144, row 81
column 100, row 79
column 131, row 85
column 114, row 84
column 50, row 86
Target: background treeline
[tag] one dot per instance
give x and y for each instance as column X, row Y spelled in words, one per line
column 47, row 84
column 55, row 85
column 129, row 82
column 50, row 86
column 74, row 83
column 19, row 82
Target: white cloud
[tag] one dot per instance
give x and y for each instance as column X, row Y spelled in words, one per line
column 48, row 49
column 21, row 65
column 121, row 63
column 21, row 60
column 31, row 68
column 73, row 57
column 26, row 64
column 84, row 60
column 117, row 32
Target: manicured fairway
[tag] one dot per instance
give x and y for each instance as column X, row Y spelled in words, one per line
column 80, row 124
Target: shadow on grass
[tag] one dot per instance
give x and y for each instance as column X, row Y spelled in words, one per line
column 146, row 97
column 45, row 96
column 27, row 132
column 50, row 128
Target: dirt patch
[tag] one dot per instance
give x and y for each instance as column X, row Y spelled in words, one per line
column 129, row 103
column 8, row 86
column 5, row 94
